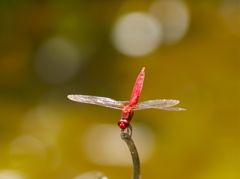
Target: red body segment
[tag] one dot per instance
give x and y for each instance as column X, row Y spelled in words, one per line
column 137, row 88
column 127, row 114
column 127, row 111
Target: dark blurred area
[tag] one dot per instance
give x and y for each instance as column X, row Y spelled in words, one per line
column 49, row 49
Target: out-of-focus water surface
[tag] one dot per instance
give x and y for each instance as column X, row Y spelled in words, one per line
column 49, row 49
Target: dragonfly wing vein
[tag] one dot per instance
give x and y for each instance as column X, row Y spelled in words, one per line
column 157, row 104
column 173, row 109
column 97, row 100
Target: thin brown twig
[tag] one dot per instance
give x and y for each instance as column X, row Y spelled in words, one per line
column 135, row 158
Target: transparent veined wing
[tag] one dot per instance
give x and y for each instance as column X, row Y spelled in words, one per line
column 164, row 104
column 97, row 100
column 172, row 109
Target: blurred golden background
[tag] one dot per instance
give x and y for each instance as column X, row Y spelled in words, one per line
column 49, row 49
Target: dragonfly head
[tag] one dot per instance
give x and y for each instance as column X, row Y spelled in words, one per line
column 123, row 123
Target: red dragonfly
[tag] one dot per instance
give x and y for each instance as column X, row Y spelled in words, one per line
column 128, row 107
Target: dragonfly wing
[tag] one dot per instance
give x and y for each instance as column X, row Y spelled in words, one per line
column 165, row 104
column 97, row 100
column 173, row 109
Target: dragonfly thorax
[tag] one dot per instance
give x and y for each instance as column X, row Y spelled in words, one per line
column 127, row 114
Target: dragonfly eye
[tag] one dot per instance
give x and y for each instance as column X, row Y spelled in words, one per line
column 123, row 123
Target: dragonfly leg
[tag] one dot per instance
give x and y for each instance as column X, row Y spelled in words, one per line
column 129, row 130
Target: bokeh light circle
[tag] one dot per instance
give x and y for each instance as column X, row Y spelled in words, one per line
column 11, row 174
column 136, row 34
column 174, row 17
column 111, row 150
column 57, row 60
column 91, row 175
